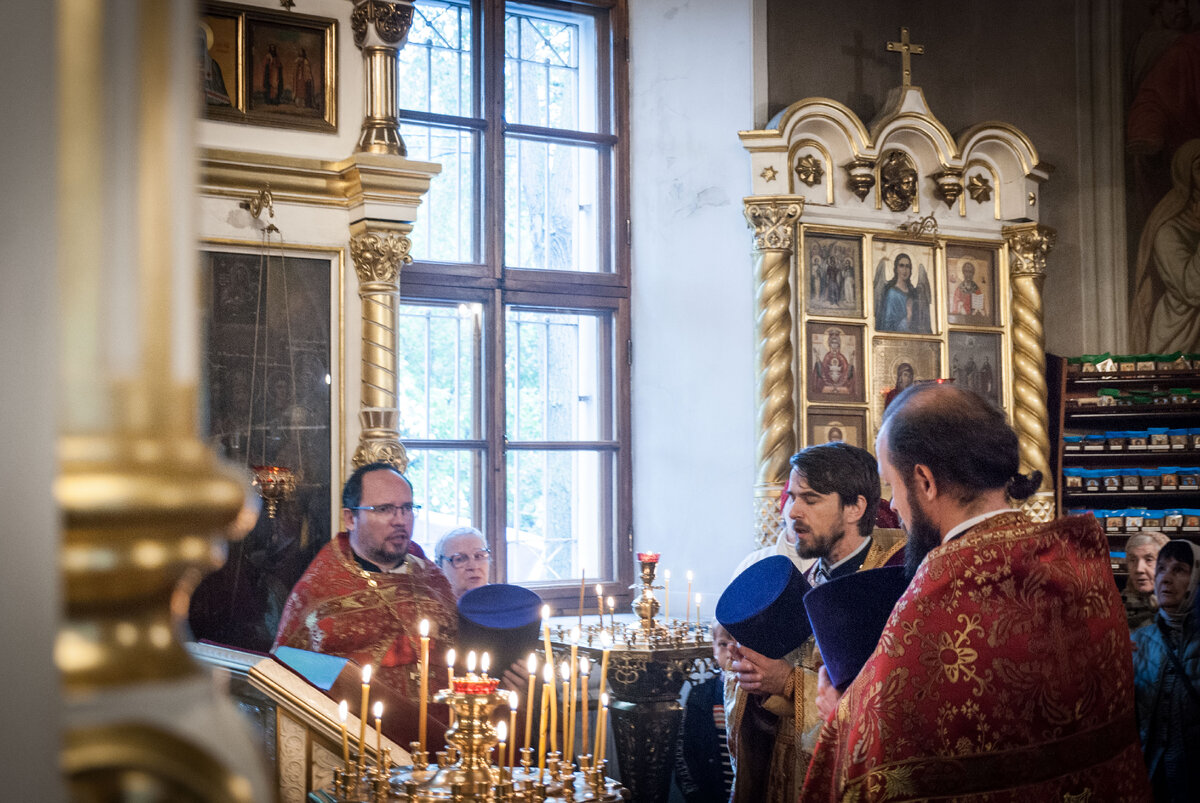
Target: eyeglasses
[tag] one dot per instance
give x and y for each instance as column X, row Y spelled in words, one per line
column 460, row 559
column 389, row 510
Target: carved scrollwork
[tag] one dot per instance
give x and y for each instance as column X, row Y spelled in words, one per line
column 383, row 450
column 379, row 257
column 391, row 20
column 1028, row 246
column 773, row 222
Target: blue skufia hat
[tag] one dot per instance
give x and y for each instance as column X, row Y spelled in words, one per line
column 763, row 608
column 848, row 615
column 500, row 619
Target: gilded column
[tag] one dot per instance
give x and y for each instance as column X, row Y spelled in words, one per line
column 1028, row 244
column 773, row 219
column 380, row 29
column 379, row 253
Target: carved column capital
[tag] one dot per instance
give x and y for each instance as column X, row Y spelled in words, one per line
column 380, row 30
column 772, row 218
column 379, row 256
column 1028, row 245
column 381, row 21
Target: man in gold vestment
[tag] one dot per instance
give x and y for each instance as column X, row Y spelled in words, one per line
column 833, row 495
column 366, row 592
column 1004, row 672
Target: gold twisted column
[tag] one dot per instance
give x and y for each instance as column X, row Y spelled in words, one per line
column 773, row 219
column 380, row 29
column 1028, row 244
column 379, row 254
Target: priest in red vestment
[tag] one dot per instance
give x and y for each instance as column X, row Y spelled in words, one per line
column 365, row 593
column 1004, row 671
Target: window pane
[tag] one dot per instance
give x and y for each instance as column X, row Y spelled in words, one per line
column 446, row 482
column 557, row 366
column 438, row 369
column 445, row 230
column 434, row 73
column 557, row 508
column 551, row 206
column 549, row 68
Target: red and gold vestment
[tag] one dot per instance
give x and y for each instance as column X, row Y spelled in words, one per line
column 1003, row 674
column 339, row 608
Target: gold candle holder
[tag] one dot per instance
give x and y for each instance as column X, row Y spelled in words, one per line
column 646, row 605
column 274, row 484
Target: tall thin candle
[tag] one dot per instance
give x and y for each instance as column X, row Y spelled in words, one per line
column 565, row 673
column 343, row 712
column 600, row 603
column 424, row 674
column 582, row 587
column 450, row 656
column 549, row 663
column 362, row 717
column 601, row 729
column 687, row 615
column 584, row 668
column 606, row 641
column 697, row 612
column 612, row 613
column 379, row 735
column 514, row 700
column 568, row 751
column 502, row 735
column 547, row 693
column 531, row 665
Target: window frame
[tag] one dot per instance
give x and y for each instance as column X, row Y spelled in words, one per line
column 495, row 287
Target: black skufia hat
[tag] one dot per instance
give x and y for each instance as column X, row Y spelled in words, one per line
column 763, row 608
column 500, row 619
column 848, row 615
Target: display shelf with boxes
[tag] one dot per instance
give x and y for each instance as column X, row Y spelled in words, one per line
column 1125, row 442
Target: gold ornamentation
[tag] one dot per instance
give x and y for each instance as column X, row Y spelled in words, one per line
column 1039, row 507
column 768, row 173
column 949, row 185
column 766, row 513
column 1028, row 244
column 906, row 51
column 922, row 227
column 274, row 484
column 898, row 175
column 809, row 170
column 979, row 187
column 379, row 257
column 860, row 173
column 1082, row 797
column 773, row 221
column 391, row 20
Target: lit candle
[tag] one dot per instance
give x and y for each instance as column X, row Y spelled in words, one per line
column 343, row 712
column 600, row 603
column 379, row 735
column 584, row 668
column 502, row 735
column 485, row 663
column 601, row 729
column 362, row 717
column 424, row 708
column 550, row 663
column 606, row 642
column 612, row 613
column 531, row 665
column 570, row 746
column 471, row 661
column 564, row 671
column 547, row 693
column 697, row 612
column 549, row 670
column 582, row 586
column 450, row 656
column 666, row 594
column 514, row 700
column 687, row 616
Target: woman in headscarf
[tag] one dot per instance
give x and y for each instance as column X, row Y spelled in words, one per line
column 1141, row 556
column 1166, row 674
column 1166, row 301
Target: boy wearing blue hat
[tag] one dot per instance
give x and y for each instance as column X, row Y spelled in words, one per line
column 770, row 703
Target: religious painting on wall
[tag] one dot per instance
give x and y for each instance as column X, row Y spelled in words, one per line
column 897, row 364
column 1162, row 145
column 971, row 285
column 267, row 389
column 975, row 363
column 830, row 425
column 833, row 275
column 903, row 287
column 267, row 68
column 835, row 362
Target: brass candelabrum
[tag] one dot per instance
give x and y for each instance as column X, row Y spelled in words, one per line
column 465, row 772
column 274, row 484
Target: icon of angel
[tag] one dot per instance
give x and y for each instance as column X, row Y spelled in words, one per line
column 901, row 305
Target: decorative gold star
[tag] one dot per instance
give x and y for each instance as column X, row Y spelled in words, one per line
column 769, row 173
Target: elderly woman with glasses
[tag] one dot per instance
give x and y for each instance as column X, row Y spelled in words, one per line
column 464, row 558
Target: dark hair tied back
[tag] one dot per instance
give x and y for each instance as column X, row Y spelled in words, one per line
column 1023, row 486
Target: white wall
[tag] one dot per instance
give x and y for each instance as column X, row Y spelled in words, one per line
column 694, row 428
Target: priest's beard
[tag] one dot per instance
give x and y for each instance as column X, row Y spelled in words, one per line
column 923, row 536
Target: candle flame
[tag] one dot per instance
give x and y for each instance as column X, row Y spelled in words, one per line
column 471, row 661
column 689, row 575
column 606, row 639
column 343, row 711
column 599, row 589
column 485, row 661
column 697, row 599
column 575, row 634
column 545, row 612
column 604, row 700
column 502, row 731
column 565, row 670
column 612, row 603
column 378, row 709
column 585, row 665
column 548, row 674
column 367, row 675
column 531, row 664
column 667, row 574
column 514, row 700
column 450, row 656
column 424, row 628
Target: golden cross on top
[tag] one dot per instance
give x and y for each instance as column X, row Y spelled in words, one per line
column 906, row 50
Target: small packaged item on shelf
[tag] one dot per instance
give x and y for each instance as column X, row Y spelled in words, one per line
column 1114, row 520
column 1191, row 519
column 1139, row 440
column 1093, row 479
column 1131, row 479
column 1134, row 516
column 1073, row 479
column 1107, row 397
column 1090, row 363
column 1172, row 521
column 1151, row 479
column 1116, row 440
column 1146, row 363
column 1178, row 439
column 1111, row 479
column 1074, row 365
column 1094, row 442
column 1126, row 363
column 1181, row 396
column 1153, row 519
column 1168, row 478
column 1158, row 438
column 1194, row 438
column 1173, row 362
column 1074, row 443
column 1189, row 478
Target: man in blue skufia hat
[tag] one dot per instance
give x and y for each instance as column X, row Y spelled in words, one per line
column 770, row 703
